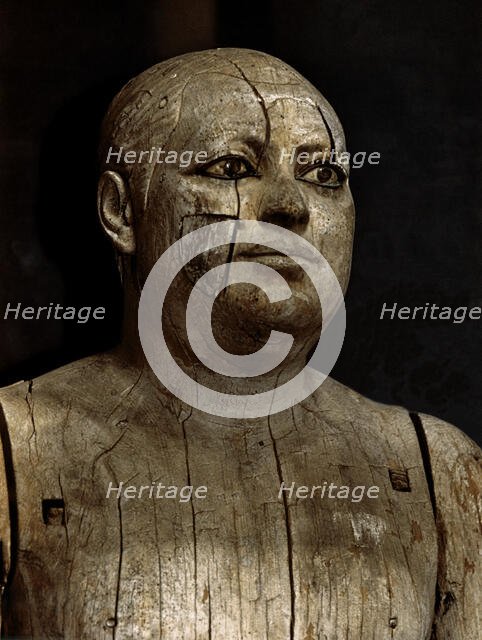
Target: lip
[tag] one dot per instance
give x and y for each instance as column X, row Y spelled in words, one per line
column 272, row 259
column 266, row 255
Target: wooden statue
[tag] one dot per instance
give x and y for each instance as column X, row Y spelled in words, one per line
column 236, row 538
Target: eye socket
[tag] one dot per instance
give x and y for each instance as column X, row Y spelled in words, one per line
column 324, row 175
column 229, row 168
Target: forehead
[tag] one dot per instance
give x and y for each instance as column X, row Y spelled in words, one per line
column 216, row 106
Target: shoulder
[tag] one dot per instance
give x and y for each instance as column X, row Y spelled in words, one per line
column 452, row 460
column 91, row 384
column 334, row 395
column 453, row 470
column 393, row 422
column 48, row 421
column 51, row 419
column 447, row 444
column 454, row 463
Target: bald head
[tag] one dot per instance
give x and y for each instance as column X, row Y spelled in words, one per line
column 147, row 110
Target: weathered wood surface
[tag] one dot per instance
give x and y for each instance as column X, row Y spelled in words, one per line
column 242, row 563
column 5, row 525
column 457, row 480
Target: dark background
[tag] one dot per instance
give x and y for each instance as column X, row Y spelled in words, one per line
column 403, row 78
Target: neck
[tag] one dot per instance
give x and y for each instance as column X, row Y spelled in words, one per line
column 131, row 350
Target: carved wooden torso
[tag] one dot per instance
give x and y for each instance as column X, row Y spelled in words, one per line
column 241, row 563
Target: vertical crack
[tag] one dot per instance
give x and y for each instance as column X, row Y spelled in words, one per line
column 427, row 467
column 262, row 104
column 159, row 566
column 9, row 532
column 188, row 471
column 209, row 610
column 119, row 569
column 289, row 540
column 233, row 239
column 33, row 436
column 424, row 450
column 327, row 127
column 238, row 564
column 64, row 519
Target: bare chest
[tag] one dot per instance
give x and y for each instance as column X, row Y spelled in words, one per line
column 277, row 530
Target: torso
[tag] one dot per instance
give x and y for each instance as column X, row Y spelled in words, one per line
column 240, row 564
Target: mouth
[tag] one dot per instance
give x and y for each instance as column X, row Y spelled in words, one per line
column 269, row 257
column 274, row 260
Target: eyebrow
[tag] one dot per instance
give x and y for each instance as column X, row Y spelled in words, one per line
column 313, row 147
column 256, row 144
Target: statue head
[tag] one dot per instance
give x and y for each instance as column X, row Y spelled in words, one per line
column 256, row 138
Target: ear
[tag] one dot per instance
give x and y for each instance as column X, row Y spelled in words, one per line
column 114, row 207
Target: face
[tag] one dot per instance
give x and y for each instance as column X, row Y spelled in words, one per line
column 253, row 136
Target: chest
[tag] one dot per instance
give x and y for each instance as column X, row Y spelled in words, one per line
column 279, row 530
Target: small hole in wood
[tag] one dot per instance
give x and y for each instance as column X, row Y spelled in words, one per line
column 399, row 479
column 53, row 511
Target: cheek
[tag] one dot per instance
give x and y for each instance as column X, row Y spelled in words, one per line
column 332, row 227
column 204, row 196
column 177, row 205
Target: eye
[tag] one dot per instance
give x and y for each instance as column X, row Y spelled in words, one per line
column 229, row 168
column 324, row 175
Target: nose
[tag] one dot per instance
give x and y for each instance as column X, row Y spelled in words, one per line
column 283, row 204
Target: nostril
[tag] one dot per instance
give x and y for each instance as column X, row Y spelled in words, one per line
column 286, row 219
column 281, row 219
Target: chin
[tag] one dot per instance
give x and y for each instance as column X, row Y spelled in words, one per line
column 299, row 315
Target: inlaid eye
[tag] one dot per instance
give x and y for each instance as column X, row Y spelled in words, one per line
column 324, row 175
column 229, row 168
